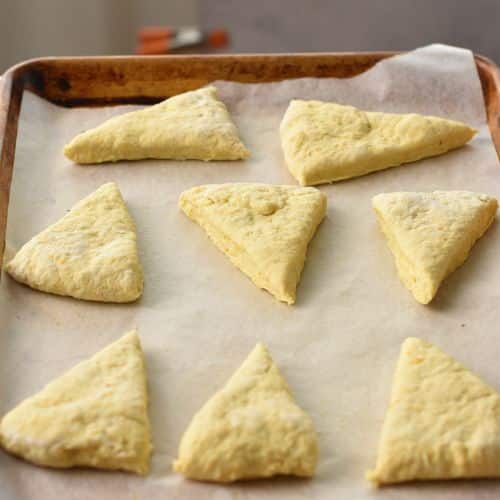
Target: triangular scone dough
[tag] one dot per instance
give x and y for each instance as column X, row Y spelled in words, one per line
column 431, row 234
column 443, row 422
column 263, row 229
column 95, row 415
column 90, row 254
column 252, row 428
column 194, row 125
column 326, row 142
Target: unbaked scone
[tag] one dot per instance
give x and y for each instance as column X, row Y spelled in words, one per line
column 443, row 422
column 95, row 415
column 89, row 254
column 326, row 142
column 190, row 126
column 263, row 229
column 252, row 428
column 431, row 234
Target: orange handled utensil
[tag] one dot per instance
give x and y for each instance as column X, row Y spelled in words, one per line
column 161, row 40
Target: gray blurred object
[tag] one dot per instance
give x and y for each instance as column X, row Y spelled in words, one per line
column 34, row 28
column 356, row 25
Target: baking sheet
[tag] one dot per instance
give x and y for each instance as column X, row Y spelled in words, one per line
column 199, row 316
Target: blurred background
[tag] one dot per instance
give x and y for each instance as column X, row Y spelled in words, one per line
column 34, row 28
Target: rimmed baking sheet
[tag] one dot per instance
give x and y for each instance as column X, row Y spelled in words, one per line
column 199, row 316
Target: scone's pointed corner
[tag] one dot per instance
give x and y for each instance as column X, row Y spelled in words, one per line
column 376, row 199
column 371, row 476
column 142, row 466
column 177, row 466
column 324, row 199
column 7, row 265
column 302, row 180
column 464, row 134
column 68, row 151
column 111, row 186
column 425, row 297
column 240, row 151
column 211, row 89
column 245, row 152
column 493, row 207
column 131, row 337
column 10, row 267
column 184, row 199
column 142, row 470
column 72, row 149
column 287, row 297
column 136, row 294
column 260, row 350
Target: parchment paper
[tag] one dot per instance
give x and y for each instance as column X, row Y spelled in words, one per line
column 199, row 316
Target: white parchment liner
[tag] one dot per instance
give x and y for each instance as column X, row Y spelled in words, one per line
column 199, row 316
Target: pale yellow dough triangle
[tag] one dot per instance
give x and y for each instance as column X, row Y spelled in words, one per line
column 443, row 422
column 90, row 254
column 95, row 415
column 194, row 125
column 431, row 234
column 251, row 428
column 263, row 229
column 326, row 142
